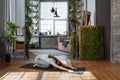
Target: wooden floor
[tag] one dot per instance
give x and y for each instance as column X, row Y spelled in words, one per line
column 95, row 70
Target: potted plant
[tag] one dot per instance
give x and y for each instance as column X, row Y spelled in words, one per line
column 10, row 39
column 49, row 31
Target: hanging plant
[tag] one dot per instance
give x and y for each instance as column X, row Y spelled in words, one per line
column 28, row 23
column 73, row 21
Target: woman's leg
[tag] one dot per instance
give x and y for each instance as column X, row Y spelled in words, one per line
column 41, row 63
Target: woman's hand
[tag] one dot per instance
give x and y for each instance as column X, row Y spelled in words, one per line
column 70, row 70
column 73, row 68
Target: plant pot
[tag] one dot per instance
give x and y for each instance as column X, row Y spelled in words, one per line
column 49, row 33
column 7, row 58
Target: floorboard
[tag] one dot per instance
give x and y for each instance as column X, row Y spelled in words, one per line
column 95, row 70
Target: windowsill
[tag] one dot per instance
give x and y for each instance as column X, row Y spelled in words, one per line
column 51, row 35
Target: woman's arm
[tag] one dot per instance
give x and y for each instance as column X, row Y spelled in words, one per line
column 67, row 66
column 61, row 67
column 50, row 56
column 61, row 63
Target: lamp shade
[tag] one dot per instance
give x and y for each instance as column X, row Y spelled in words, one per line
column 52, row 10
column 56, row 13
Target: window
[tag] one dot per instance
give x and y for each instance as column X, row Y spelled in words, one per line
column 49, row 23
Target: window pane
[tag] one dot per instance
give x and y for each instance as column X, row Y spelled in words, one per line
column 46, row 7
column 46, row 25
column 62, row 10
column 49, row 22
column 60, row 27
column 45, row 10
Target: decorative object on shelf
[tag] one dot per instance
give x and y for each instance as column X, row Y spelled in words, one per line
column 79, row 8
column 34, row 5
column 35, row 27
column 19, row 31
column 34, row 45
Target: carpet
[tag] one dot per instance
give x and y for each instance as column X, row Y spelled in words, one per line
column 30, row 66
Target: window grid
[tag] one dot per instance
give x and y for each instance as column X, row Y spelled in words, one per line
column 49, row 23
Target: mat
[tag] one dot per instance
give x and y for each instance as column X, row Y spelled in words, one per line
column 30, row 66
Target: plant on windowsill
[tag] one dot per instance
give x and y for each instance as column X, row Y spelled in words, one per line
column 49, row 31
column 10, row 29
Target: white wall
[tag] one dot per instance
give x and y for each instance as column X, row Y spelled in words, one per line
column 91, row 8
column 17, row 12
column 20, row 13
column 12, row 11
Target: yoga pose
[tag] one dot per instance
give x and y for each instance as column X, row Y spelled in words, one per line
column 47, row 60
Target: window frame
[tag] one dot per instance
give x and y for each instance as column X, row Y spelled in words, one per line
column 67, row 24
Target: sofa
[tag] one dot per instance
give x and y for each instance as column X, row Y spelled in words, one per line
column 63, row 44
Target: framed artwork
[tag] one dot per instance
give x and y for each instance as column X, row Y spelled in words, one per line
column 19, row 32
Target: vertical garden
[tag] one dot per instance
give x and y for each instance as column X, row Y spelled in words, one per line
column 28, row 23
column 72, row 23
column 92, row 43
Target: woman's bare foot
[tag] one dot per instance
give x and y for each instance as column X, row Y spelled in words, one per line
column 70, row 71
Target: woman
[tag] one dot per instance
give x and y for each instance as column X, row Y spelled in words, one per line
column 47, row 60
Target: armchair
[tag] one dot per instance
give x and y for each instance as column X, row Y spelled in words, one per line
column 63, row 44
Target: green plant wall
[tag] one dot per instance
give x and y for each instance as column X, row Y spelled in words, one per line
column 73, row 22
column 91, row 43
column 28, row 23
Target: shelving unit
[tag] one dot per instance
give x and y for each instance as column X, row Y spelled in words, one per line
column 34, row 5
column 79, row 8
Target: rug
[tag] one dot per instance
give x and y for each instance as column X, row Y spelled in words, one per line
column 30, row 66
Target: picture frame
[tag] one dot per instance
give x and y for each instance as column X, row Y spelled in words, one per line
column 19, row 32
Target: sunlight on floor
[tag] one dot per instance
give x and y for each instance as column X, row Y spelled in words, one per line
column 87, row 75
column 20, row 76
column 48, row 75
